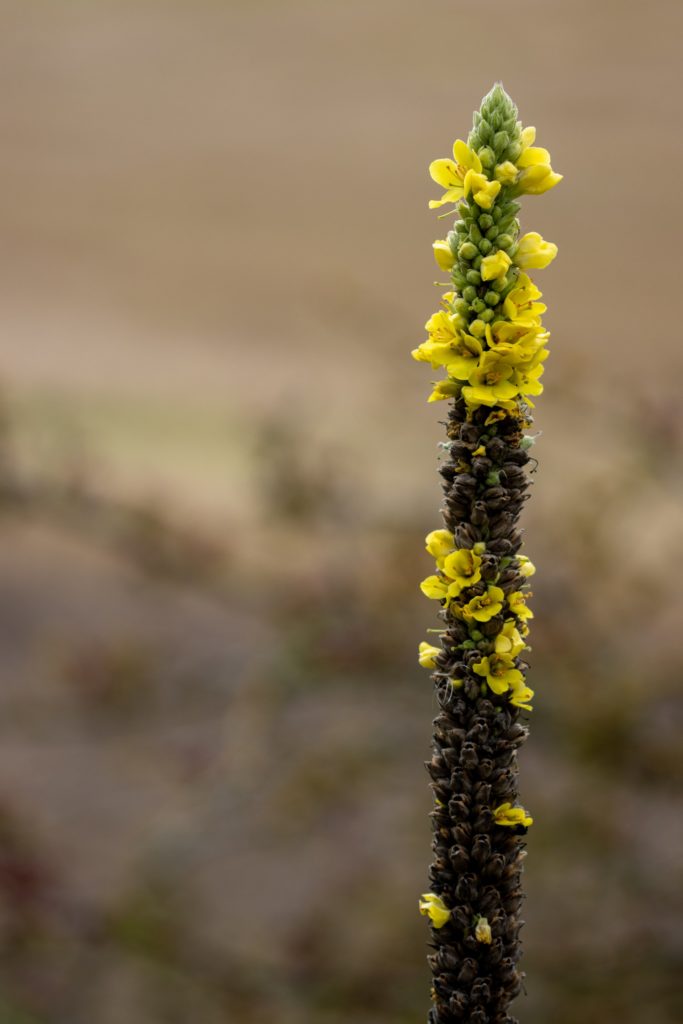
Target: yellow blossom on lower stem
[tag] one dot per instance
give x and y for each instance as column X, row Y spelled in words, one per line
column 459, row 355
column 445, row 389
column 440, row 543
column 527, row 379
column 427, row 655
column 500, row 672
column 517, row 605
column 482, row 931
column 520, row 697
column 526, row 566
column 509, row 640
column 463, row 567
column 435, row 587
column 506, row 814
column 491, row 382
column 484, row 606
column 433, row 907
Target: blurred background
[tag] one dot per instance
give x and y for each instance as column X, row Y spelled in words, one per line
column 217, row 467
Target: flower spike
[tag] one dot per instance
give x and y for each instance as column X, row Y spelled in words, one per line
column 489, row 342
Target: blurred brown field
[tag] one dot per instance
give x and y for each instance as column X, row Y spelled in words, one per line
column 217, row 466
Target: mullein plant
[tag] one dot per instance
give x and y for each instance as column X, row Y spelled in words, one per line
column 489, row 339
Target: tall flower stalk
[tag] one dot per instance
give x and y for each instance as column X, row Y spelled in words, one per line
column 489, row 339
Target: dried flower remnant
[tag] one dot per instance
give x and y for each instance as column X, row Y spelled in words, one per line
column 489, row 339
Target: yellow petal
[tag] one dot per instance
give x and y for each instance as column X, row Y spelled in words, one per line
column 443, row 254
column 533, row 252
column 434, row 587
column 445, row 173
column 439, row 543
column 465, row 156
column 528, row 136
column 495, row 265
column 533, row 155
column 427, row 655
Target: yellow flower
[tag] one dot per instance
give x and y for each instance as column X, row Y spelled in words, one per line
column 459, row 356
column 485, row 606
column 526, row 566
column 482, row 931
column 506, row 814
column 521, row 695
column 444, row 389
column 506, row 173
column 495, row 265
column 451, row 175
column 447, row 346
column 483, row 191
column 427, row 654
column 435, row 587
column 491, row 382
column 433, row 907
column 519, row 344
column 527, row 379
column 463, row 568
column 533, row 252
column 443, row 254
column 536, row 175
column 521, row 304
column 516, row 604
column 509, row 640
column 500, row 672
column 439, row 543
column 443, row 326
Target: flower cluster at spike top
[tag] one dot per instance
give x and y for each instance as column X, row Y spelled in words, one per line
column 489, row 339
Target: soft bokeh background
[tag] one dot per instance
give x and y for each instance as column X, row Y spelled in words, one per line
column 217, row 466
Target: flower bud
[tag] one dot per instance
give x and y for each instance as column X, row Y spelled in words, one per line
column 470, row 294
column 501, row 141
column 505, row 241
column 473, row 277
column 467, row 251
column 485, row 247
column 485, row 221
column 475, row 233
column 477, row 328
column 491, row 298
column 487, row 156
